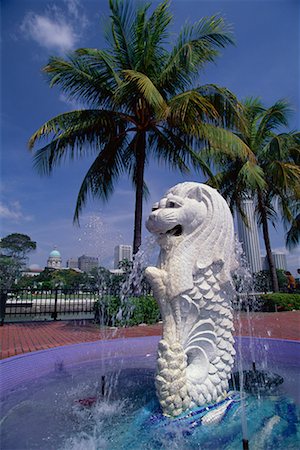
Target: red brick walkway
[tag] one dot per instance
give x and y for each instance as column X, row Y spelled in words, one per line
column 19, row 338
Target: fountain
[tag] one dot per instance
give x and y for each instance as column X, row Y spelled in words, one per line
column 101, row 395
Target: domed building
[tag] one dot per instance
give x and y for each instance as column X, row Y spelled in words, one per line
column 54, row 260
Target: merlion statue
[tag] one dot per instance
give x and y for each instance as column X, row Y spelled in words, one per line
column 194, row 289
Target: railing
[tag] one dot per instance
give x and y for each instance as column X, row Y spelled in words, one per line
column 34, row 304
column 17, row 305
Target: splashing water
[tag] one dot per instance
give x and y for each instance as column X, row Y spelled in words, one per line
column 135, row 283
column 243, row 281
column 133, row 286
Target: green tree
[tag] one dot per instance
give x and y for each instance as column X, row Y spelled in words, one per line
column 67, row 279
column 125, row 265
column 142, row 102
column 13, row 251
column 274, row 182
column 9, row 271
column 17, row 246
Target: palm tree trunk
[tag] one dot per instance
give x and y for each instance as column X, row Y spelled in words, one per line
column 267, row 241
column 138, row 214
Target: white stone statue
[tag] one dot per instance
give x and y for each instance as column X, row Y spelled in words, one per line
column 194, row 289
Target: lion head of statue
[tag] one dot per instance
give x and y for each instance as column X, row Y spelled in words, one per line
column 195, row 219
column 178, row 213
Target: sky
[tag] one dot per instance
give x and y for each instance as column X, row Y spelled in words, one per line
column 264, row 62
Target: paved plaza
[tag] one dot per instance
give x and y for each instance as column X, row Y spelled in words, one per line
column 18, row 338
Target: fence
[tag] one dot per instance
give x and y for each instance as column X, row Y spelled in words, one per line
column 17, row 305
column 32, row 304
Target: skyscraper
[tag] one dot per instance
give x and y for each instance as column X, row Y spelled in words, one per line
column 72, row 263
column 248, row 236
column 122, row 252
column 279, row 261
column 87, row 263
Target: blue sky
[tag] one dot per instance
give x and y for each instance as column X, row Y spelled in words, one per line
column 264, row 62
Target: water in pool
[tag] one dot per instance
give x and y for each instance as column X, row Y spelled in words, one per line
column 74, row 409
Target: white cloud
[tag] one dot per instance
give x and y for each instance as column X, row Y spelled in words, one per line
column 75, row 9
column 48, row 33
column 55, row 28
column 13, row 212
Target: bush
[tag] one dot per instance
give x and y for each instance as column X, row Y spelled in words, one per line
column 135, row 310
column 144, row 310
column 283, row 302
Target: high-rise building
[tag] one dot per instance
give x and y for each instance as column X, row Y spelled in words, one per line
column 248, row 236
column 87, row 263
column 279, row 261
column 72, row 263
column 122, row 252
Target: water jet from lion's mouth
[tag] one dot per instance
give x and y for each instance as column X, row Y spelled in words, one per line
column 176, row 231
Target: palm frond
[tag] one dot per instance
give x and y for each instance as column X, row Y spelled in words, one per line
column 175, row 150
column 293, row 234
column 252, row 110
column 140, row 86
column 283, row 176
column 122, row 20
column 101, row 177
column 73, row 134
column 273, row 118
column 191, row 106
column 150, row 36
column 252, row 176
column 103, row 62
column 253, row 107
column 139, row 35
column 229, row 109
column 283, row 146
column 232, row 189
column 220, row 141
column 197, row 44
column 81, row 81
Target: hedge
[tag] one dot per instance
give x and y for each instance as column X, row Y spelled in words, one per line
column 283, row 301
column 135, row 310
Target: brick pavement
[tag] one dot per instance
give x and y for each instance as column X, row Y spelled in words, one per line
column 17, row 338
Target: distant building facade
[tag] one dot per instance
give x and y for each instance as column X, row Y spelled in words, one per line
column 116, row 271
column 32, row 271
column 122, row 252
column 54, row 260
column 248, row 236
column 72, row 263
column 279, row 261
column 87, row 263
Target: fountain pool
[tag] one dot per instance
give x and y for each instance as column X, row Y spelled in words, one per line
column 101, row 395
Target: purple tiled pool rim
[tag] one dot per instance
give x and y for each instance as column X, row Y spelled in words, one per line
column 31, row 366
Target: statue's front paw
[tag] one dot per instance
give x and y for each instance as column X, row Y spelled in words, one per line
column 152, row 273
column 157, row 279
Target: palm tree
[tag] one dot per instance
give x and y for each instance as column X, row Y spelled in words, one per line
column 142, row 103
column 293, row 234
column 274, row 184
